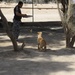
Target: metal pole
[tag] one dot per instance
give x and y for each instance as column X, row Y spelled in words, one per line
column 32, row 11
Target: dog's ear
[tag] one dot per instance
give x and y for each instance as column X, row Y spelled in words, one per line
column 37, row 32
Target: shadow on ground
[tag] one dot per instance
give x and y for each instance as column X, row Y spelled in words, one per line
column 32, row 62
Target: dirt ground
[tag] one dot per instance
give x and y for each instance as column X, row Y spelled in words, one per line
column 57, row 60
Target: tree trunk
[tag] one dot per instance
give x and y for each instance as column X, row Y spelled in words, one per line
column 68, row 21
column 9, row 33
column 64, row 23
column 67, row 39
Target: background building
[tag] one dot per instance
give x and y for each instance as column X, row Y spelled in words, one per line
column 29, row 1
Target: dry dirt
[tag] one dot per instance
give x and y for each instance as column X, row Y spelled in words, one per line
column 57, row 60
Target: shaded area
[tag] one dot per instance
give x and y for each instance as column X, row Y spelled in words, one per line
column 30, row 61
column 33, row 68
column 51, row 33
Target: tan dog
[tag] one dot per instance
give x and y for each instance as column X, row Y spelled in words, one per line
column 41, row 42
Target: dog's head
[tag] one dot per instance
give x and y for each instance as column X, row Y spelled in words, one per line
column 39, row 33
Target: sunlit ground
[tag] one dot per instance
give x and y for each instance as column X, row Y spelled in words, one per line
column 42, row 12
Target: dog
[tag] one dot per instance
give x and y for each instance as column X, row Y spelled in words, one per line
column 41, row 42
